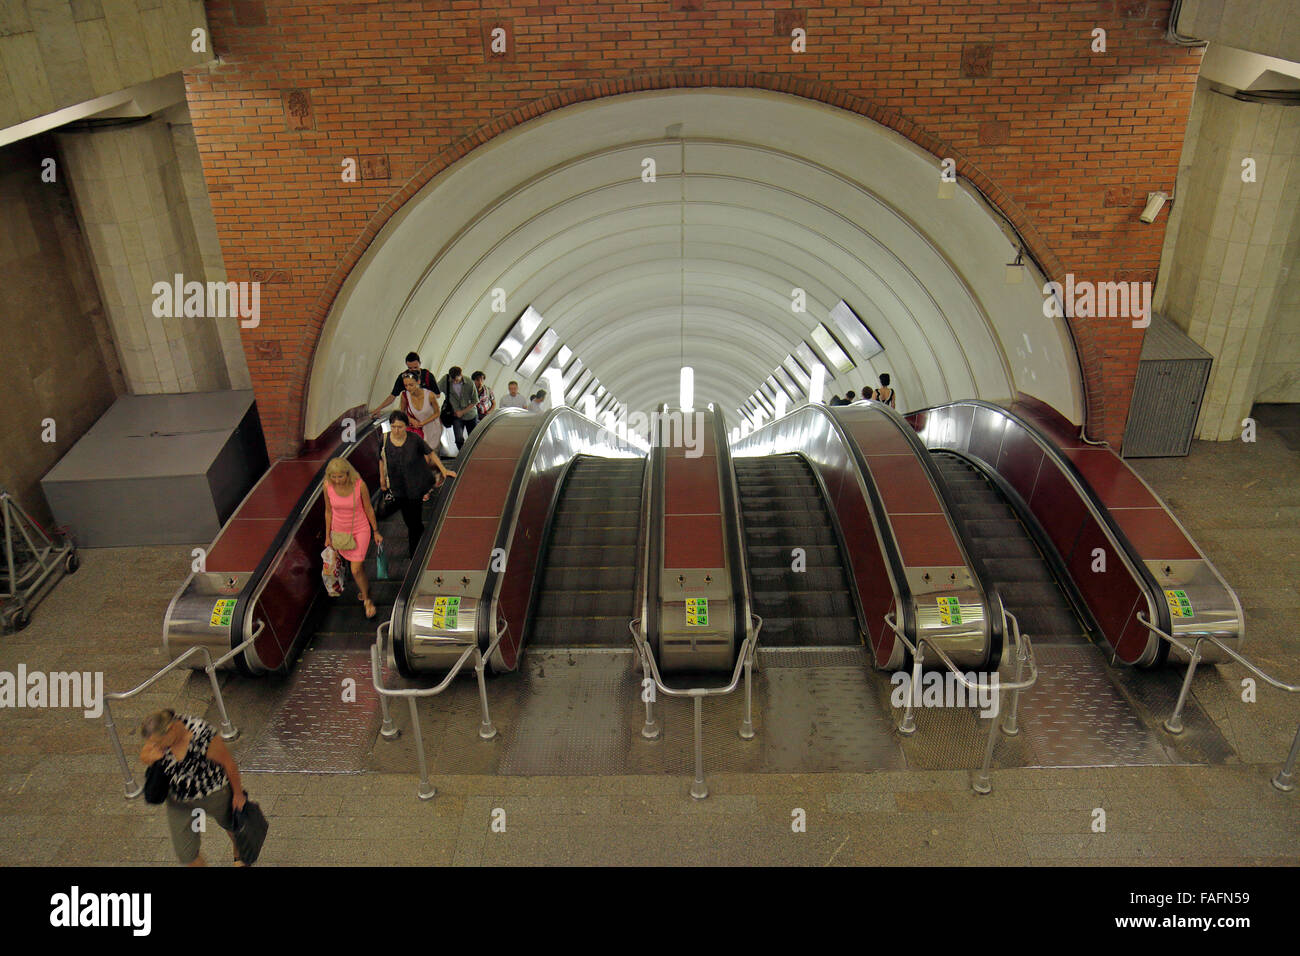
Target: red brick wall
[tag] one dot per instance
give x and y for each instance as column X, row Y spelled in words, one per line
column 1065, row 142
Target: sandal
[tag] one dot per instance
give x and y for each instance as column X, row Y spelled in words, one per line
column 370, row 609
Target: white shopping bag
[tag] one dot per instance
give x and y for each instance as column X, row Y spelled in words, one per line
column 331, row 572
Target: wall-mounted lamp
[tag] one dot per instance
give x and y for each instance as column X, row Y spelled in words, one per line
column 1155, row 202
column 1016, row 268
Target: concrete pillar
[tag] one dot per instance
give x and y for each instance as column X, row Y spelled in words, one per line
column 1227, row 273
column 127, row 185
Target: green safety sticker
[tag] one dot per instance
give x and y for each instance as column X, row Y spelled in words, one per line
column 949, row 610
column 223, row 612
column 1179, row 605
column 697, row 612
column 446, row 611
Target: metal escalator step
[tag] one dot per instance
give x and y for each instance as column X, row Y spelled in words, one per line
column 594, row 537
column 984, row 510
column 590, row 556
column 1026, row 569
column 1041, row 623
column 786, row 603
column 804, row 502
column 585, row 604
column 809, row 632
column 1031, row 594
column 557, row 577
column 994, row 528
column 999, row 548
column 788, row 519
column 774, row 556
column 609, row 631
column 595, row 520
column 784, row 579
column 809, row 536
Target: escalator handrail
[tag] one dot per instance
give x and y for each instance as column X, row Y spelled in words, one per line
column 433, row 528
column 649, row 536
column 994, row 612
column 1158, row 610
column 746, row 654
column 260, row 577
column 734, row 529
column 885, row 536
column 487, row 624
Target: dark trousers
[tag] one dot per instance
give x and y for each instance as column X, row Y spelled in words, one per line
column 461, row 429
column 413, row 515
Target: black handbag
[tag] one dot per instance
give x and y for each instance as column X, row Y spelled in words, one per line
column 386, row 507
column 250, row 831
column 156, row 783
column 448, row 414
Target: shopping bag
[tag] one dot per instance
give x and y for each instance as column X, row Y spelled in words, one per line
column 250, row 831
column 381, row 564
column 331, row 572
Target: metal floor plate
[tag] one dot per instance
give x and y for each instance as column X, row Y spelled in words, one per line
column 314, row 730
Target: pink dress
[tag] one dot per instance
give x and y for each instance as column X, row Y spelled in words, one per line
column 350, row 515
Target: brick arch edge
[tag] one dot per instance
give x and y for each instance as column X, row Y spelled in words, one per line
column 1089, row 355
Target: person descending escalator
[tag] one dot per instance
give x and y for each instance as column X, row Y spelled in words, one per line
column 514, row 399
column 349, row 522
column 404, row 469
column 487, row 399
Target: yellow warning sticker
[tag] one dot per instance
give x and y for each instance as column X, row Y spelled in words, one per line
column 949, row 610
column 223, row 612
column 1179, row 604
column 697, row 612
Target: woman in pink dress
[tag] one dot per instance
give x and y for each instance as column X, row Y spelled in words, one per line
column 348, row 511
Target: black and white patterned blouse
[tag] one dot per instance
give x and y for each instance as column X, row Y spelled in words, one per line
column 194, row 775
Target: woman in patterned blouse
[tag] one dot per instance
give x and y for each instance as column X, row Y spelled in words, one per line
column 200, row 771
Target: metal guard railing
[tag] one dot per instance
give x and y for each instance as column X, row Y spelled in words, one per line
column 388, row 730
column 1024, row 658
column 1284, row 780
column 744, row 664
column 228, row 730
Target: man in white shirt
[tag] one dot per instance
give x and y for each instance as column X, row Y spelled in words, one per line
column 514, row 399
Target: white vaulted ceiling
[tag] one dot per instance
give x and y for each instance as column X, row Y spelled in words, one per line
column 779, row 192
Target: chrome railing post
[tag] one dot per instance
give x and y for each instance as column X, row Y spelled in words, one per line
column 388, row 730
column 1285, row 778
column 132, row 788
column 907, row 726
column 426, row 790
column 485, row 730
column 747, row 726
column 1174, row 723
column 1010, row 727
column 983, row 783
column 228, row 730
column 699, row 790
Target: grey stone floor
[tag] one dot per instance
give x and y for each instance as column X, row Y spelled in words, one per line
column 61, row 796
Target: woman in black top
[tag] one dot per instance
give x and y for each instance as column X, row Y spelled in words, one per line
column 404, row 470
column 885, row 393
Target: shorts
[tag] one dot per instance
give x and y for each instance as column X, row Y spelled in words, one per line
column 180, row 819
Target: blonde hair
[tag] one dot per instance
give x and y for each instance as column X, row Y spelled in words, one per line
column 157, row 723
column 341, row 466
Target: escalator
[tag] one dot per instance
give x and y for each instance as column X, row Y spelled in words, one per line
column 588, row 588
column 783, row 508
column 1007, row 552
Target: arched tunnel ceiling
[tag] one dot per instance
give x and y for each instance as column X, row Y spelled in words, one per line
column 778, row 192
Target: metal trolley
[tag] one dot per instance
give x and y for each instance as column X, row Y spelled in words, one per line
column 32, row 559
